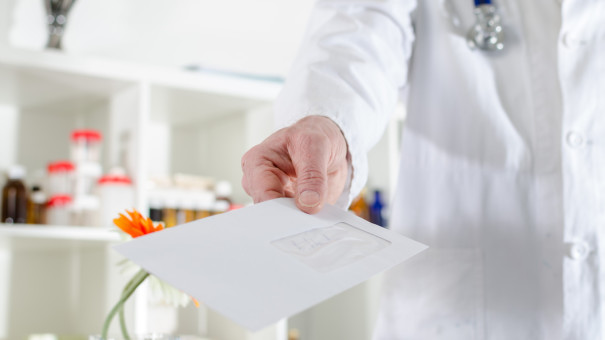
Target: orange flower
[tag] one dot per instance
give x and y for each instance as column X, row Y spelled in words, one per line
column 136, row 225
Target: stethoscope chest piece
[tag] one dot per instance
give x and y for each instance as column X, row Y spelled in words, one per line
column 486, row 34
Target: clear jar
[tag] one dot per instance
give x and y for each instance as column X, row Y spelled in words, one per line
column 58, row 211
column 85, row 178
column 85, row 211
column 60, row 178
column 116, row 194
column 85, row 145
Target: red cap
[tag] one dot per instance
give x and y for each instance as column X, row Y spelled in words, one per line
column 60, row 166
column 115, row 179
column 59, row 200
column 92, row 135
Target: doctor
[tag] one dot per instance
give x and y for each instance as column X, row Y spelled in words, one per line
column 503, row 158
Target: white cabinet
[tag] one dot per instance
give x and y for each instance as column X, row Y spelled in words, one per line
column 155, row 122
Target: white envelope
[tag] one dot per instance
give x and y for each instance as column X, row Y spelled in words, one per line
column 268, row 261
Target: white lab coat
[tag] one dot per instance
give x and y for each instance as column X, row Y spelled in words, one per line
column 502, row 170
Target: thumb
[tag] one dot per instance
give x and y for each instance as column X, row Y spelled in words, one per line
column 311, row 166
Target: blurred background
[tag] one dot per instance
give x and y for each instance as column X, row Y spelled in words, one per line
column 257, row 37
column 110, row 104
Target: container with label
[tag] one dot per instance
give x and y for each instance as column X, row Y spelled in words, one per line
column 85, row 145
column 60, row 178
column 85, row 210
column 58, row 210
column 116, row 194
column 85, row 179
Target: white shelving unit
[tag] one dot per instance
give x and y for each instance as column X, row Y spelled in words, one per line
column 155, row 121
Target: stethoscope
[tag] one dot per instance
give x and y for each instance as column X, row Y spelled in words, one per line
column 486, row 34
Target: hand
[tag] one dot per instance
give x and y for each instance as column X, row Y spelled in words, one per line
column 307, row 161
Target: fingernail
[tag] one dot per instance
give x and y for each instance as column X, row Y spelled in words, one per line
column 308, row 198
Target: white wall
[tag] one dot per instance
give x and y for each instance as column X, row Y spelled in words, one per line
column 6, row 10
column 259, row 36
column 8, row 135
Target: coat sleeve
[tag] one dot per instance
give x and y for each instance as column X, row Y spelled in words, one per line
column 350, row 68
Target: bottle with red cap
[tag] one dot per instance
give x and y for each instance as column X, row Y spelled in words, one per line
column 86, row 156
column 86, row 145
column 60, row 178
column 116, row 194
column 58, row 210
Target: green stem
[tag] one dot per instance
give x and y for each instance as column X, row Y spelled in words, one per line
column 123, row 324
column 130, row 288
column 122, row 319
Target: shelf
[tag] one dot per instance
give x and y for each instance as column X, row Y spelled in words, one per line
column 38, row 77
column 59, row 232
column 186, row 107
column 40, row 237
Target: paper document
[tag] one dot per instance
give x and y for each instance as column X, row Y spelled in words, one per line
column 259, row 264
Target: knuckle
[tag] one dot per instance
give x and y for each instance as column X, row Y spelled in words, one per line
column 312, row 138
column 311, row 178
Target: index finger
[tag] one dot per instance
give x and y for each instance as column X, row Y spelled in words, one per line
column 263, row 179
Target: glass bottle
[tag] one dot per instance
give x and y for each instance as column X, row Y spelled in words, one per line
column 204, row 201
column 223, row 191
column 377, row 209
column 186, row 207
column 36, row 207
column 14, row 197
column 156, row 208
column 360, row 207
column 170, row 208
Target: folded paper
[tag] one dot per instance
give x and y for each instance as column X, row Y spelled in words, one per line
column 268, row 261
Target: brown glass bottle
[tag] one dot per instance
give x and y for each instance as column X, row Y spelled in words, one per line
column 14, row 197
column 36, row 206
column 360, row 206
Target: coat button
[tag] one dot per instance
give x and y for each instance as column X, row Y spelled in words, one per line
column 578, row 250
column 575, row 139
column 572, row 41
